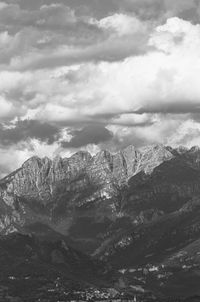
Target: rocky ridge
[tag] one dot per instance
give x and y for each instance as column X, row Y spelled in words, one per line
column 137, row 209
column 48, row 190
column 85, row 196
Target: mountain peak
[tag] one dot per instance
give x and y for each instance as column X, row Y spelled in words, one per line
column 181, row 150
column 32, row 160
column 195, row 149
column 103, row 154
column 152, row 156
column 152, row 147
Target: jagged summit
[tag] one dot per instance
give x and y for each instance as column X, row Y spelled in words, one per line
column 182, row 149
column 84, row 156
column 195, row 149
column 53, row 190
column 146, row 153
column 127, row 207
column 80, row 194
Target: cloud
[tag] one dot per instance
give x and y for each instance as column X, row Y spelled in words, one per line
column 110, row 39
column 6, row 108
column 186, row 134
column 81, row 93
column 13, row 156
column 13, row 17
column 93, row 134
column 56, row 16
column 161, row 10
column 63, row 33
column 10, row 160
column 88, row 91
column 110, row 73
column 121, row 24
column 25, row 33
column 145, row 9
column 28, row 129
column 54, row 34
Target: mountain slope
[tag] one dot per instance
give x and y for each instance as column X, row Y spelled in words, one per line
column 79, row 196
column 33, row 269
column 138, row 210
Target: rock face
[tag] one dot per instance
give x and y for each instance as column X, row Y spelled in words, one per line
column 61, row 191
column 160, row 246
column 90, row 198
column 138, row 209
column 38, row 178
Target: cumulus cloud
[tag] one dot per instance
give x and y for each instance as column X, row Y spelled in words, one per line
column 110, row 39
column 106, row 73
column 121, row 24
column 168, row 73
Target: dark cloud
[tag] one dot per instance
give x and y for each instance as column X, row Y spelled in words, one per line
column 119, row 143
column 160, row 9
column 96, row 8
column 92, row 134
column 13, row 17
column 44, row 25
column 35, row 37
column 147, row 9
column 173, row 107
column 111, row 52
column 27, row 129
column 52, row 17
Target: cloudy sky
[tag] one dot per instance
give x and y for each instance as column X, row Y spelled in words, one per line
column 97, row 74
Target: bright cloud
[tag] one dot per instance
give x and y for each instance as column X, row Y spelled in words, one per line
column 122, row 24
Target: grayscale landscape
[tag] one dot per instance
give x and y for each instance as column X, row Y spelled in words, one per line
column 99, row 150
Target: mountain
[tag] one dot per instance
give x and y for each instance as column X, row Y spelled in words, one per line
column 136, row 210
column 78, row 196
column 161, row 248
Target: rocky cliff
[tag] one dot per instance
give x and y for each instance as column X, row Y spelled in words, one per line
column 136, row 208
column 84, row 196
column 60, row 190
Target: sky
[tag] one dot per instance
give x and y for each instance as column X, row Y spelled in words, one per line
column 97, row 74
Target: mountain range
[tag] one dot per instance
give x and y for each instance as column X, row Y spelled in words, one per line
column 130, row 221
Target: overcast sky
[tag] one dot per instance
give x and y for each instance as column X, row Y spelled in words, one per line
column 97, row 74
